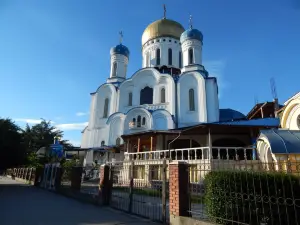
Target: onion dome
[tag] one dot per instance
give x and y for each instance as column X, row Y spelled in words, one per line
column 162, row 28
column 120, row 49
column 191, row 34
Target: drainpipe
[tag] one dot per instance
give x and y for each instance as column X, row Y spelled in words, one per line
column 176, row 105
column 170, row 145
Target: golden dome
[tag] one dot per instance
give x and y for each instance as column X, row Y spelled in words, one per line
column 162, row 28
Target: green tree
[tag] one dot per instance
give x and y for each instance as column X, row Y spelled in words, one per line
column 42, row 135
column 12, row 147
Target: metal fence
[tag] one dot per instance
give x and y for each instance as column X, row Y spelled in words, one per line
column 90, row 180
column 141, row 189
column 245, row 192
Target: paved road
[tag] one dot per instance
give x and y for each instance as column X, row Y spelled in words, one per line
column 21, row 204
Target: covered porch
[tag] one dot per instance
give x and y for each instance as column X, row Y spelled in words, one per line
column 202, row 142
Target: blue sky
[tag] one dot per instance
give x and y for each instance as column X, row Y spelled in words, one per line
column 53, row 53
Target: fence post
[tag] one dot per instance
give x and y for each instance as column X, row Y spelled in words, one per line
column 178, row 191
column 76, row 175
column 131, row 168
column 164, row 192
column 58, row 176
column 104, row 186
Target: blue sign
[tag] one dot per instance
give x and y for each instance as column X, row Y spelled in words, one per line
column 57, row 149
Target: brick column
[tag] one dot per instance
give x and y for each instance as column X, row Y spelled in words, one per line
column 105, row 186
column 178, row 191
column 76, row 175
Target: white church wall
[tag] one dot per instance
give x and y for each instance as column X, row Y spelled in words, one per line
column 152, row 78
column 163, row 43
column 107, row 91
column 195, row 81
column 116, row 126
column 196, row 45
column 134, row 113
column 212, row 100
column 162, row 120
column 291, row 114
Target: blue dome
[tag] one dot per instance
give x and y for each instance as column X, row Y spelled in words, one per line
column 191, row 34
column 120, row 49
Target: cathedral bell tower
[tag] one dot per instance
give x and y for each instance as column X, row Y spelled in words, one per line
column 119, row 57
column 191, row 43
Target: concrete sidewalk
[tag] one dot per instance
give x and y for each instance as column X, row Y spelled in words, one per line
column 21, row 204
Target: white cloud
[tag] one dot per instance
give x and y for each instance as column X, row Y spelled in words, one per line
column 29, row 121
column 75, row 143
column 71, row 126
column 216, row 69
column 82, row 113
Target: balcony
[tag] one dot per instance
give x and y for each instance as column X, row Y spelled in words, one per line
column 201, row 153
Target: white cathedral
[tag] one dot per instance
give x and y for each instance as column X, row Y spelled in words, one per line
column 171, row 90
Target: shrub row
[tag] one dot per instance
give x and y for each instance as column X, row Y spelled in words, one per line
column 234, row 197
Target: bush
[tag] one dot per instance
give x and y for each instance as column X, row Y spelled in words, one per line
column 252, row 197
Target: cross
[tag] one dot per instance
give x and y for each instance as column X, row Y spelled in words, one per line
column 165, row 11
column 191, row 21
column 121, row 36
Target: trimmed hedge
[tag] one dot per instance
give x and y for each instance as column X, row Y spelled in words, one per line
column 234, row 197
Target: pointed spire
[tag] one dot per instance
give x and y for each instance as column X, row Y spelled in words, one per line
column 121, row 36
column 165, row 11
column 191, row 22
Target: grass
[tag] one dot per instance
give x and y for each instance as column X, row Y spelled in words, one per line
column 155, row 193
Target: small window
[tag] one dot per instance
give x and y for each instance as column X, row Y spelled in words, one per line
column 147, row 59
column 163, row 95
column 139, row 118
column 180, row 60
column 102, row 143
column 152, row 42
column 191, row 100
column 158, row 56
column 105, row 111
column 114, row 69
column 170, row 56
column 144, row 121
column 175, row 41
column 191, row 56
column 133, row 121
column 118, row 142
column 164, row 39
column 130, row 99
column 170, row 40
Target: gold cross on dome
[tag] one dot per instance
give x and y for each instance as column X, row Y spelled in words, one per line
column 165, row 11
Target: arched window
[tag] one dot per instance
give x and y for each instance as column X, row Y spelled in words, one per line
column 158, row 57
column 191, row 56
column 130, row 99
column 146, row 96
column 118, row 141
column 144, row 121
column 105, row 111
column 114, row 69
column 133, row 121
column 102, row 143
column 191, row 100
column 163, row 95
column 139, row 118
column 147, row 59
column 180, row 59
column 125, row 69
column 170, row 56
